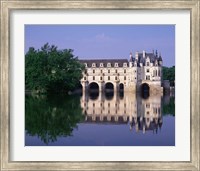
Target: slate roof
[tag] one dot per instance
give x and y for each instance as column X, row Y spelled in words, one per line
column 105, row 62
column 153, row 57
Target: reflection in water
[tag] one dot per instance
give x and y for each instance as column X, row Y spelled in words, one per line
column 143, row 114
column 50, row 118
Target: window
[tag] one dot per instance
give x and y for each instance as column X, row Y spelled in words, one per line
column 125, row 64
column 100, row 78
column 116, row 64
column 115, row 77
column 147, row 77
column 84, row 78
column 148, row 105
column 93, row 77
column 108, row 65
column 108, row 77
column 116, row 71
column 159, row 73
column 147, row 63
column 124, row 77
column 101, row 71
column 85, row 64
column 93, row 71
column 108, row 71
column 124, row 71
column 93, row 64
column 85, row 71
column 156, row 72
column 147, row 70
column 101, row 64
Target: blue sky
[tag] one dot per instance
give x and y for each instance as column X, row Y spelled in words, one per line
column 105, row 41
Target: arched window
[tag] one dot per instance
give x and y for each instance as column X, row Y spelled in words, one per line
column 116, row 71
column 93, row 65
column 93, row 77
column 108, row 65
column 108, row 77
column 101, row 64
column 85, row 64
column 93, row 71
column 115, row 77
column 108, row 71
column 124, row 77
column 116, row 64
column 125, row 71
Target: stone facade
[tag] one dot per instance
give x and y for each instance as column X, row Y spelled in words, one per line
column 130, row 75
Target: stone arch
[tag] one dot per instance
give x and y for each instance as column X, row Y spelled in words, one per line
column 109, row 86
column 145, row 90
column 93, row 89
column 93, row 86
column 109, row 90
column 121, row 87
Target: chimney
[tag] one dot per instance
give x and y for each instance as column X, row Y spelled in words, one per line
column 136, row 55
column 131, row 56
column 143, row 54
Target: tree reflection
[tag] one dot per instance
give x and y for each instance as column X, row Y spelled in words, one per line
column 52, row 116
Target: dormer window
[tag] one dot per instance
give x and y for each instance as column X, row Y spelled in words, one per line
column 124, row 64
column 147, row 63
column 108, row 64
column 85, row 64
column 93, row 65
column 116, row 64
column 101, row 64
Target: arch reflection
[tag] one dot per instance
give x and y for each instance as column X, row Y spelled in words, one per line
column 141, row 114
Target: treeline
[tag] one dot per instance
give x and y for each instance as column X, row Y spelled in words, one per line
column 169, row 74
column 51, row 70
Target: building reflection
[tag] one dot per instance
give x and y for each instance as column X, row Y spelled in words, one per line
column 123, row 108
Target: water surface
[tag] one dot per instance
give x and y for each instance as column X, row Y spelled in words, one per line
column 99, row 119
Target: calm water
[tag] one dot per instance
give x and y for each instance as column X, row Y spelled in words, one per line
column 105, row 119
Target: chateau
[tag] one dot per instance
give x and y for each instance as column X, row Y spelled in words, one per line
column 142, row 71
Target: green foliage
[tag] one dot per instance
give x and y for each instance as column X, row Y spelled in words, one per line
column 52, row 70
column 169, row 74
column 52, row 116
column 169, row 108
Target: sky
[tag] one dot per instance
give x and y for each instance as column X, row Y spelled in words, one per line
column 105, row 41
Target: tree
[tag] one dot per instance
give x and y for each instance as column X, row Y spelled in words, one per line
column 52, row 70
column 169, row 74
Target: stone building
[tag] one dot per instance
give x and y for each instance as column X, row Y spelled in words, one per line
column 144, row 71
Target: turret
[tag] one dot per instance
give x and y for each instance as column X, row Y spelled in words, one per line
column 160, row 60
column 131, row 60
